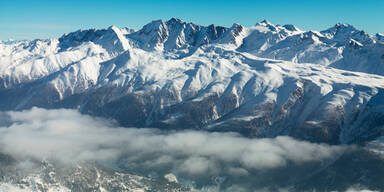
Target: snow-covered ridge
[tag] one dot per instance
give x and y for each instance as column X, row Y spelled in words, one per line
column 262, row 81
column 341, row 46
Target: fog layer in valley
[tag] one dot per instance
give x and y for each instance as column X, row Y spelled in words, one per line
column 197, row 158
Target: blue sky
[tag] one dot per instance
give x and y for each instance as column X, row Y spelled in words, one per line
column 29, row 19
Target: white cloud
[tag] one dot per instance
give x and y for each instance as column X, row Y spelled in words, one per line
column 358, row 189
column 69, row 136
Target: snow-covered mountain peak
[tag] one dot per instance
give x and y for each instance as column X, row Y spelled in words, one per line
column 113, row 27
column 111, row 39
column 152, row 35
column 80, row 36
column 153, row 26
column 233, row 36
column 236, row 25
column 342, row 33
column 264, row 22
column 282, row 30
column 341, row 28
column 127, row 30
column 236, row 29
column 312, row 37
column 268, row 26
column 174, row 20
column 291, row 27
column 174, row 34
column 315, row 33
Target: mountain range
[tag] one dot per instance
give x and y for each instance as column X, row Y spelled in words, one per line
column 261, row 81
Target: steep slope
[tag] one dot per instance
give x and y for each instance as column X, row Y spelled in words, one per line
column 175, row 75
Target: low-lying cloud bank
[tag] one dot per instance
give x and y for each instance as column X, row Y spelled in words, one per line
column 69, row 136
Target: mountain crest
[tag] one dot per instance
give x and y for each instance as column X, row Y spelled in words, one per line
column 175, row 20
column 152, row 35
column 291, row 27
column 341, row 28
column 265, row 22
column 233, row 35
column 342, row 33
column 110, row 39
